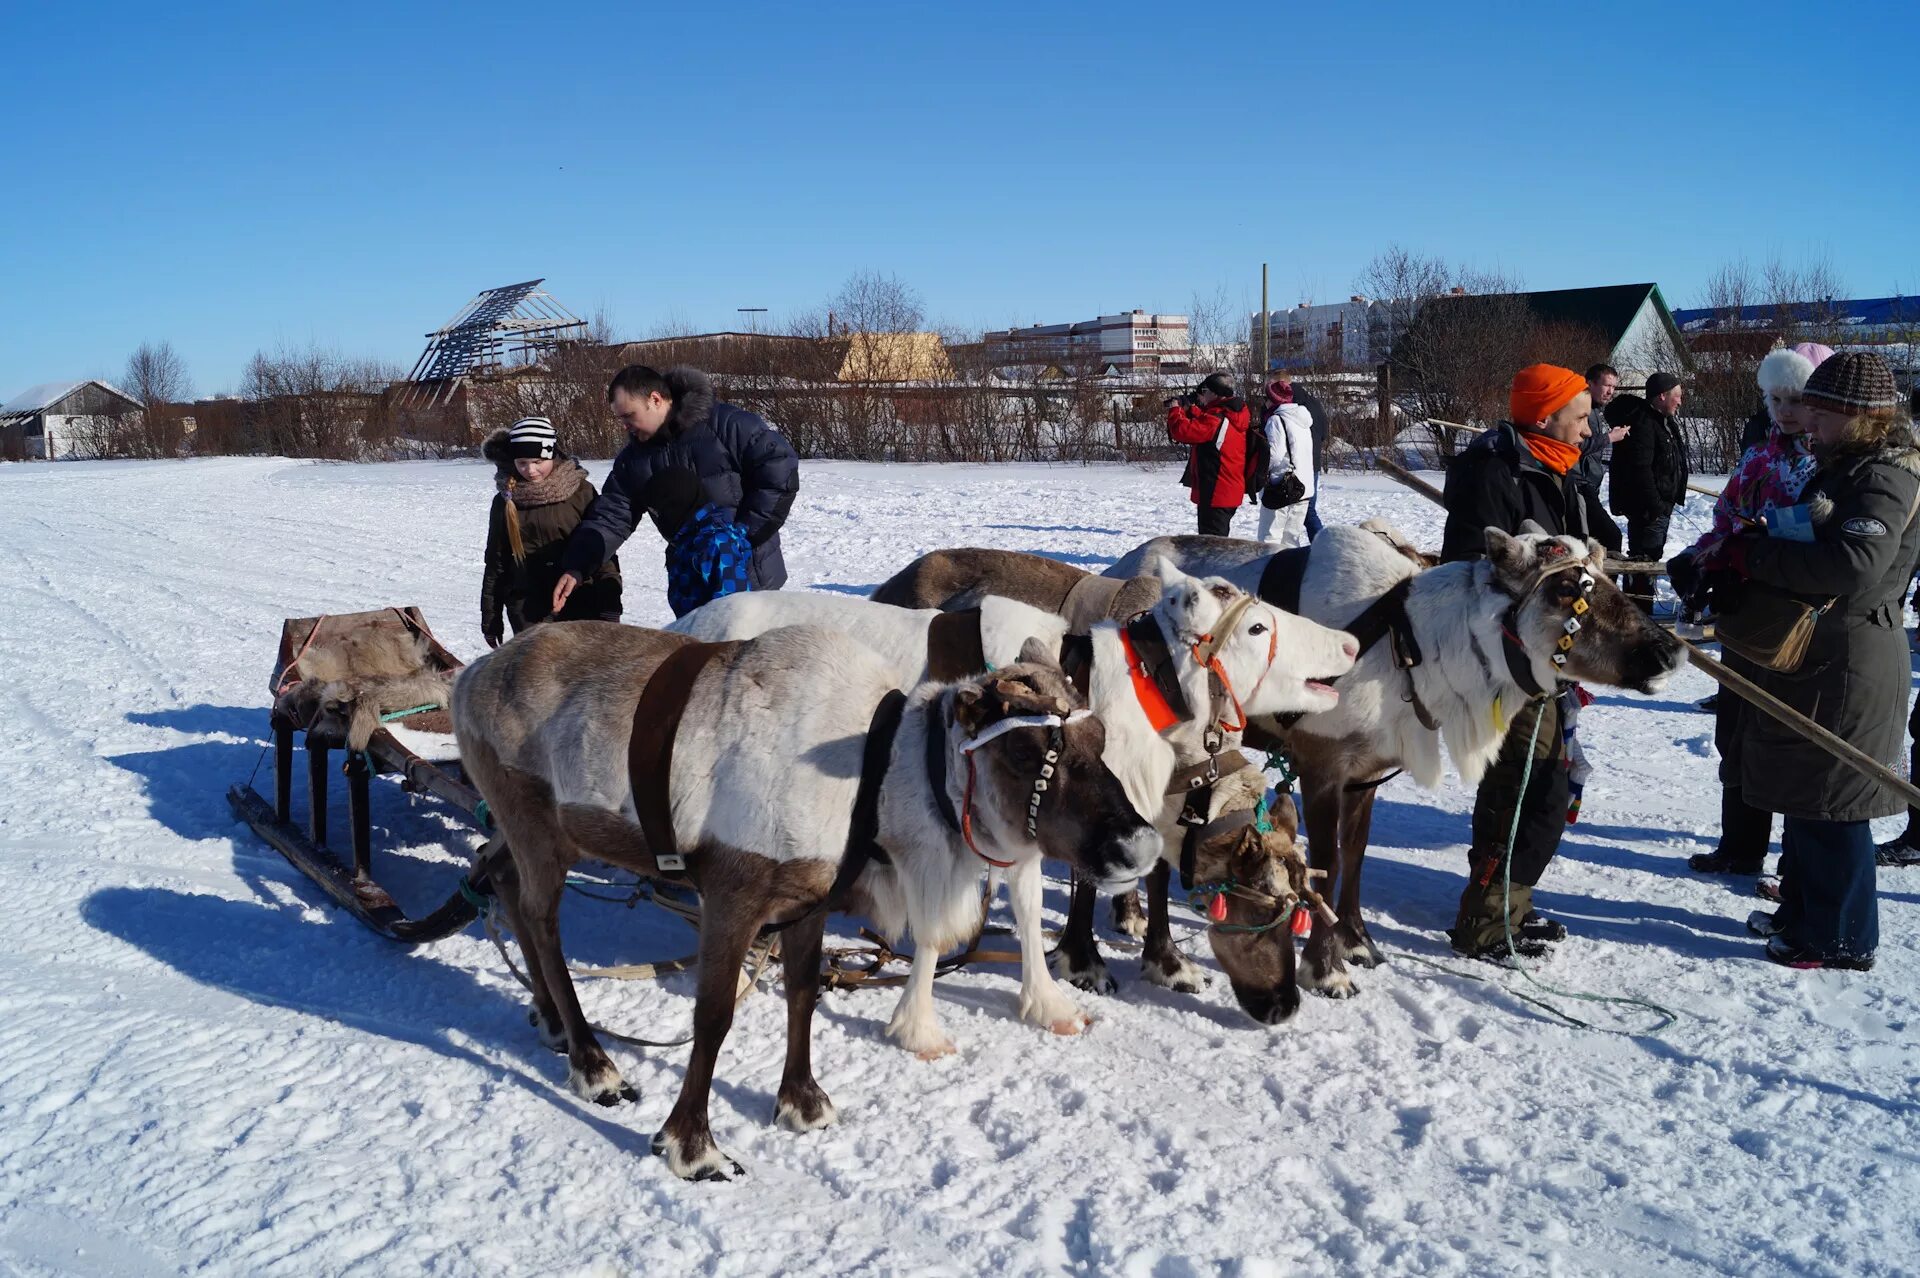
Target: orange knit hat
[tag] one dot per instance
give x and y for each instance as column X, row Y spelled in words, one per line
column 1540, row 391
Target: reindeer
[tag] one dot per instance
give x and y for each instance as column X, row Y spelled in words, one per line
column 781, row 777
column 1446, row 653
column 1202, row 632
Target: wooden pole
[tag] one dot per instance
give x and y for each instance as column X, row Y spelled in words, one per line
column 1395, row 471
column 1738, row 684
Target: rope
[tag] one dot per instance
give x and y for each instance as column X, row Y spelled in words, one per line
column 401, row 714
column 1666, row 1015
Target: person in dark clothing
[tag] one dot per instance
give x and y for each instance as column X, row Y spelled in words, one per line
column 1603, row 383
column 1770, row 476
column 1212, row 421
column 746, row 468
column 543, row 493
column 1515, row 472
column 1649, row 471
column 708, row 554
column 1849, row 546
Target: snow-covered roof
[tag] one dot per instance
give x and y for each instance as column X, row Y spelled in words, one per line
column 35, row 398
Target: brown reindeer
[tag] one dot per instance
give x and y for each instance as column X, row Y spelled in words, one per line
column 767, row 774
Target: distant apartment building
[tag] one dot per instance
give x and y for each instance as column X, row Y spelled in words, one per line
column 1135, row 344
column 1335, row 335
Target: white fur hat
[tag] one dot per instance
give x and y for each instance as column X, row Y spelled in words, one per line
column 1784, row 370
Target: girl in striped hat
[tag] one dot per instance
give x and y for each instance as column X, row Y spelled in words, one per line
column 542, row 495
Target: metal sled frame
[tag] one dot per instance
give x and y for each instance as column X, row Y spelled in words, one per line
column 352, row 885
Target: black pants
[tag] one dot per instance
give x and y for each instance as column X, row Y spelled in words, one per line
column 1646, row 540
column 1746, row 832
column 1216, row 521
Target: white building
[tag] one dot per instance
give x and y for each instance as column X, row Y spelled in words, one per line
column 41, row 422
column 1136, row 343
column 1334, row 335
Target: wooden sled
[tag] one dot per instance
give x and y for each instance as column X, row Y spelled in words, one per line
column 351, row 883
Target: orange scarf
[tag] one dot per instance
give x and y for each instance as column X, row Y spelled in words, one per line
column 1556, row 456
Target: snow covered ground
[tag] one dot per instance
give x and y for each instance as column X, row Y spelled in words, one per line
column 204, row 1068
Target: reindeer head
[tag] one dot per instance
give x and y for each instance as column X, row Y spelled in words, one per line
column 1273, row 662
column 1254, row 942
column 1048, row 771
column 1566, row 606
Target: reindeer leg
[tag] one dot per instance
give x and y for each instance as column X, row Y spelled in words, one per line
column 591, row 1073
column 1042, row 1001
column 1161, row 963
column 1128, row 918
column 728, row 925
column 1077, row 959
column 802, row 1105
column 915, row 1025
column 1350, row 934
column 545, row 1015
column 1326, row 968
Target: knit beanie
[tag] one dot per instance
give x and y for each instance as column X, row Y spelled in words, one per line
column 1853, row 382
column 1816, row 353
column 1219, row 383
column 532, row 438
column 1279, row 391
column 1540, row 391
column 1660, row 383
column 1784, row 371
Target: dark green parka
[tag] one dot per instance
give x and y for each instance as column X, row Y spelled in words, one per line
column 547, row 514
column 1856, row 678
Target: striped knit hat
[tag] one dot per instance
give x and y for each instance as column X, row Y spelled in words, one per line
column 532, row 437
column 1853, row 382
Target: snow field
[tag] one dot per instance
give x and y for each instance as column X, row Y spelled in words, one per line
column 203, row 1067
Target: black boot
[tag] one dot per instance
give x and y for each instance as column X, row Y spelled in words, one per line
column 1538, row 927
column 1744, row 834
column 1901, row 851
column 1497, row 952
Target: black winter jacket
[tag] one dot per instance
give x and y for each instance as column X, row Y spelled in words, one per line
column 746, row 468
column 1322, row 428
column 1649, row 466
column 1856, row 677
column 1497, row 482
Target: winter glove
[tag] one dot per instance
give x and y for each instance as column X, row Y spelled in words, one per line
column 1684, row 572
column 492, row 631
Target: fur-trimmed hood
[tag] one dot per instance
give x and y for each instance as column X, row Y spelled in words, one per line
column 692, row 399
column 1896, row 447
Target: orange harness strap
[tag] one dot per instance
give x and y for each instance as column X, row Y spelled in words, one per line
column 1152, row 700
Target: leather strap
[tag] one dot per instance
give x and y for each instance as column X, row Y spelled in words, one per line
column 936, row 760
column 1280, row 580
column 863, row 835
column 1076, row 662
column 1155, row 681
column 656, row 721
column 954, row 647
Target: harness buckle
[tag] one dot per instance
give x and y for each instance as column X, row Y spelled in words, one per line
column 670, row 862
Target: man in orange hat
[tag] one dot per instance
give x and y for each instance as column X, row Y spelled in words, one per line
column 1522, row 470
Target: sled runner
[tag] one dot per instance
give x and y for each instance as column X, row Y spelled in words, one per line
column 332, row 683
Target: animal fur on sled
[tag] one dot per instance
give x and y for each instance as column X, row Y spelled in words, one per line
column 348, row 683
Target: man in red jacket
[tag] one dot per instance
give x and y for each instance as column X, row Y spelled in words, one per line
column 1212, row 421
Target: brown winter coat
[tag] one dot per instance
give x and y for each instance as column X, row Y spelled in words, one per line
column 522, row 585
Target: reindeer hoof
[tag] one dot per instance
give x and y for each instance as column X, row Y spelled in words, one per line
column 1361, row 952
column 1068, row 1026
column 804, row 1109
column 602, row 1085
column 925, row 1039
column 1128, row 918
column 1093, row 978
column 701, row 1160
column 946, row 1048
column 1179, row 976
column 1335, row 985
column 553, row 1038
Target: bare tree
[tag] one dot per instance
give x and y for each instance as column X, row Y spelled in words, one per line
column 156, row 376
column 316, row 402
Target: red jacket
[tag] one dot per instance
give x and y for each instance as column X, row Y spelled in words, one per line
column 1215, row 475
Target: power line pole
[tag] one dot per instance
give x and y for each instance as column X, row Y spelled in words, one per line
column 1266, row 327
column 750, row 312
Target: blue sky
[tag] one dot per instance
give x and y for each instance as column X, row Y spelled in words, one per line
column 237, row 177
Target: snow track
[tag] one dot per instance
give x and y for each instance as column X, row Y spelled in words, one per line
column 203, row 1068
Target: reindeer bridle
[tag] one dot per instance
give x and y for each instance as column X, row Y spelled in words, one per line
column 1519, row 660
column 1055, row 726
